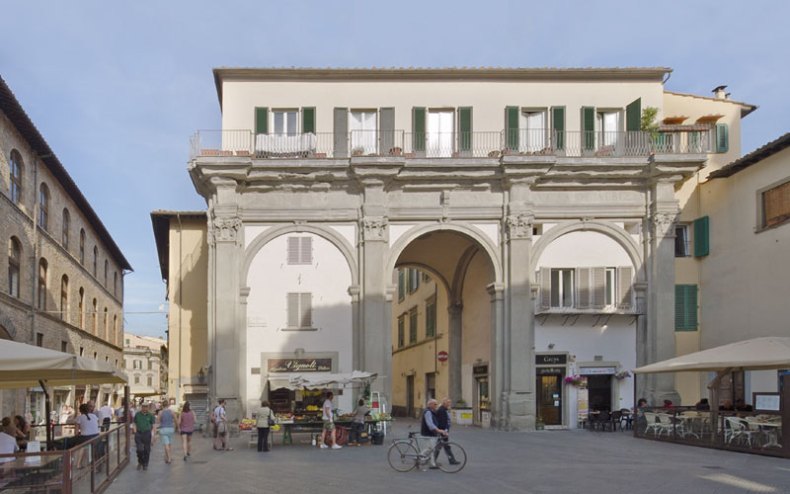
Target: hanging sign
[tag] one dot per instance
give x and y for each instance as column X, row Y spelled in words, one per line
column 442, row 356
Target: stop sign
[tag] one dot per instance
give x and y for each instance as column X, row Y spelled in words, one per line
column 442, row 356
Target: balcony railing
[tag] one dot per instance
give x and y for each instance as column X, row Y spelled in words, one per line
column 484, row 144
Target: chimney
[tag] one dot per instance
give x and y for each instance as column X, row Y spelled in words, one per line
column 720, row 93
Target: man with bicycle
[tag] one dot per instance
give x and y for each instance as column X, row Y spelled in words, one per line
column 443, row 422
column 430, row 431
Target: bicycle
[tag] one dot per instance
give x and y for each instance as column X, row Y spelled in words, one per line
column 405, row 454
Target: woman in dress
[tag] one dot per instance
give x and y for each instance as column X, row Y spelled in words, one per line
column 186, row 424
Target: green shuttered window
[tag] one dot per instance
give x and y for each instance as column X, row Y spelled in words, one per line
column 588, row 128
column 465, row 128
column 308, row 120
column 685, row 307
column 633, row 115
column 511, row 127
column 418, row 128
column 558, row 125
column 722, row 138
column 702, row 236
column 261, row 120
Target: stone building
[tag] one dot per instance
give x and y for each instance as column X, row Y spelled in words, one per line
column 541, row 202
column 145, row 364
column 62, row 272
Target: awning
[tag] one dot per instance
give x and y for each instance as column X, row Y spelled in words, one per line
column 280, row 382
column 23, row 366
column 766, row 353
column 311, row 381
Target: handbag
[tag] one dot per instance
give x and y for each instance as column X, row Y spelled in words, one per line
column 271, row 419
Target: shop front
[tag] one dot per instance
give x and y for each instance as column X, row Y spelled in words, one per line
column 550, row 370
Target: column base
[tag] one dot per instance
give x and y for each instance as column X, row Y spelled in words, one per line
column 518, row 412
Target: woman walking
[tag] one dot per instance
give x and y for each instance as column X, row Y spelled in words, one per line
column 264, row 421
column 186, row 424
column 167, row 427
column 87, row 429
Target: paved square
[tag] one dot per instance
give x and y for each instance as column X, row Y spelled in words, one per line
column 538, row 462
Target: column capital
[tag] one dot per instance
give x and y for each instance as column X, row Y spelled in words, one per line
column 375, row 228
column 224, row 230
column 519, row 226
column 663, row 224
column 496, row 290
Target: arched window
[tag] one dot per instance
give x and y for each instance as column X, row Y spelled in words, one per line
column 82, row 308
column 64, row 231
column 106, row 269
column 43, row 206
column 115, row 283
column 14, row 263
column 95, row 260
column 115, row 329
column 82, row 246
column 42, row 284
column 95, row 325
column 17, row 168
column 64, row 298
column 106, row 328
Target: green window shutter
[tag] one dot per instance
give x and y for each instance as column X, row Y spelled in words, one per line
column 722, row 138
column 401, row 285
column 702, row 236
column 633, row 115
column 261, row 120
column 511, row 127
column 558, row 126
column 418, row 128
column 465, row 128
column 685, row 307
column 588, row 128
column 308, row 120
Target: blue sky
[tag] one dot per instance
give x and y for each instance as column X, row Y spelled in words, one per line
column 117, row 88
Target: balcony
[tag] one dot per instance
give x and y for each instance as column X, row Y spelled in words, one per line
column 484, row 144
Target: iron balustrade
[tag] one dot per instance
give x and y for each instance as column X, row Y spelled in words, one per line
column 480, row 144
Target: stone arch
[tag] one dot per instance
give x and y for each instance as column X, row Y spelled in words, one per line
column 470, row 231
column 439, row 277
column 617, row 234
column 327, row 233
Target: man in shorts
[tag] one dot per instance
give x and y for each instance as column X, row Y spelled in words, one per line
column 329, row 422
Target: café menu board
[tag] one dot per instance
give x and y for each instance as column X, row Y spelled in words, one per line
column 300, row 365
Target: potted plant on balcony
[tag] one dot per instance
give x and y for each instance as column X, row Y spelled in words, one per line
column 358, row 151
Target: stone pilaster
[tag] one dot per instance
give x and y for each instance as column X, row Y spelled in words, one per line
column 455, row 320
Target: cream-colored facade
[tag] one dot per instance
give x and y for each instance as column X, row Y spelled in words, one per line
column 744, row 279
column 182, row 248
column 146, row 369
column 542, row 212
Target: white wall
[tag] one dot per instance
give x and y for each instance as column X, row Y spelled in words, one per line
column 270, row 279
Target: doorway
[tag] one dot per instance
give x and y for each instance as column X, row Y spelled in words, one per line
column 549, row 394
column 599, row 390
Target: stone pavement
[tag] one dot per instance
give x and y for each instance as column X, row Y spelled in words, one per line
column 538, row 462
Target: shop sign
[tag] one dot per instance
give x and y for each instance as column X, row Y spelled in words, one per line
column 442, row 356
column 597, row 371
column 541, row 371
column 480, row 370
column 551, row 359
column 300, row 365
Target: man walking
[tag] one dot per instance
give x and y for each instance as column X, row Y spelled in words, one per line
column 143, row 425
column 430, row 431
column 443, row 422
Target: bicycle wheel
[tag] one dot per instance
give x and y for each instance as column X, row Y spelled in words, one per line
column 402, row 456
column 451, row 457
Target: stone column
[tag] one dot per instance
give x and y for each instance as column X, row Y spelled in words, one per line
column 375, row 323
column 496, row 366
column 661, row 292
column 224, row 237
column 519, row 334
column 455, row 311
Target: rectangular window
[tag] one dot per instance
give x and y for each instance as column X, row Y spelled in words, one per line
column 608, row 123
column 441, row 133
column 722, row 138
column 401, row 330
column 39, row 339
column 285, row 122
column 300, row 311
column 682, row 242
column 562, row 288
column 685, row 307
column 82, row 351
column 413, row 282
column 430, row 318
column 64, row 346
column 413, row 325
column 364, row 132
column 532, row 126
column 300, row 250
column 401, row 284
column 150, row 380
column 430, row 386
column 776, row 205
column 702, row 236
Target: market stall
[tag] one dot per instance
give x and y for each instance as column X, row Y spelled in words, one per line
column 297, row 403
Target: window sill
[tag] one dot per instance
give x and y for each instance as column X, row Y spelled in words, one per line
column 762, row 229
column 562, row 311
column 416, row 344
column 298, row 329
